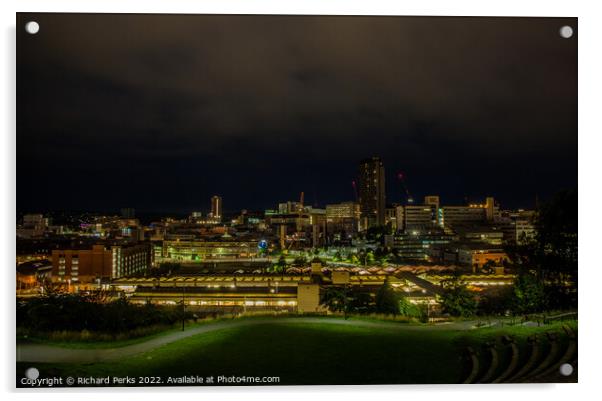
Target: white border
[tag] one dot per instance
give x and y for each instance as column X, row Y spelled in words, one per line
column 590, row 107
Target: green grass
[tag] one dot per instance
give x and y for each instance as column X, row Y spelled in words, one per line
column 93, row 343
column 304, row 353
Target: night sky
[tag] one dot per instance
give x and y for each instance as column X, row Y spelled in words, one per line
column 160, row 112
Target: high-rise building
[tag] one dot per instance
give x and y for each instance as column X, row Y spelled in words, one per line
column 372, row 192
column 216, row 207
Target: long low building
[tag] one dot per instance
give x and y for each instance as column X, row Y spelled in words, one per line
column 212, row 281
column 254, row 292
column 197, row 250
column 223, row 298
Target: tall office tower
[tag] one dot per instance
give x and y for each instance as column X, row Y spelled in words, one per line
column 216, row 207
column 372, row 192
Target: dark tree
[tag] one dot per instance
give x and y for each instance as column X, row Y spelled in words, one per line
column 281, row 265
column 406, row 308
column 347, row 300
column 335, row 299
column 496, row 301
column 359, row 301
column 387, row 300
column 552, row 254
column 300, row 261
column 457, row 299
column 528, row 294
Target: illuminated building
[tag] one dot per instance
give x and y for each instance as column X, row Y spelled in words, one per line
column 475, row 255
column 519, row 226
column 34, row 225
column 220, row 298
column 372, row 192
column 418, row 218
column 317, row 222
column 289, row 207
column 88, row 265
column 195, row 216
column 342, row 218
column 452, row 215
column 490, row 234
column 256, row 292
column 420, row 246
column 432, row 200
column 305, row 227
column 216, row 207
column 524, row 230
column 33, row 273
column 394, row 215
column 197, row 250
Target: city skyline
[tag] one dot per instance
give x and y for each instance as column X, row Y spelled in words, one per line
column 295, row 200
column 263, row 111
column 206, row 206
column 402, row 197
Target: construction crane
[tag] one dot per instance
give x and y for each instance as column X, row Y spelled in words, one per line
column 402, row 182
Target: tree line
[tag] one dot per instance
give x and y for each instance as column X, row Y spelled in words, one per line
column 95, row 312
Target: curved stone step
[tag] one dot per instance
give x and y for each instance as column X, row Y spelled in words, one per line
column 548, row 360
column 492, row 365
column 475, row 366
column 533, row 358
column 511, row 366
column 569, row 332
column 568, row 355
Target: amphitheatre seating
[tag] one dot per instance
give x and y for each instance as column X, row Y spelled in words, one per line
column 493, row 363
column 514, row 358
column 536, row 361
column 569, row 355
column 534, row 356
column 548, row 361
column 474, row 363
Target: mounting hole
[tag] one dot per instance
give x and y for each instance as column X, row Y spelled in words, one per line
column 32, row 373
column 566, row 31
column 32, row 27
column 566, row 369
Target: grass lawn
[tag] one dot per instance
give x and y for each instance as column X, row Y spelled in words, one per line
column 312, row 353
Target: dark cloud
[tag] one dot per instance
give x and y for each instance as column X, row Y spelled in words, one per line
column 162, row 111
